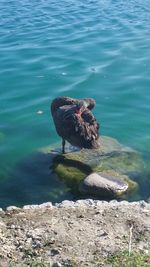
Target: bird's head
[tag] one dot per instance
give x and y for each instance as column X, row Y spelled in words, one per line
column 89, row 103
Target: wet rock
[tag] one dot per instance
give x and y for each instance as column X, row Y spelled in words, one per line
column 111, row 159
column 111, row 155
column 103, row 185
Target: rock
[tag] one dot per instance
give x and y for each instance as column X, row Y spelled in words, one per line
column 47, row 205
column 12, row 208
column 111, row 159
column 56, row 264
column 111, row 155
column 148, row 200
column 85, row 203
column 1, row 211
column 28, row 207
column 65, row 203
column 103, row 185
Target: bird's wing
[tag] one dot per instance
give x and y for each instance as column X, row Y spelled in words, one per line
column 88, row 117
column 64, row 120
column 87, row 126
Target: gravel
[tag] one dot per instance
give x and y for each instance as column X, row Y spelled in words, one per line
column 72, row 233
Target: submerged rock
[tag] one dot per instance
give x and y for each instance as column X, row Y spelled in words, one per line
column 112, row 159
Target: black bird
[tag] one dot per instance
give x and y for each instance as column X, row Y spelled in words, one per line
column 75, row 122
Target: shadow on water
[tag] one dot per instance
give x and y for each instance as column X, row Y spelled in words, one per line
column 32, row 181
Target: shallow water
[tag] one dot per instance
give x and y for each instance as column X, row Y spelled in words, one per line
column 96, row 49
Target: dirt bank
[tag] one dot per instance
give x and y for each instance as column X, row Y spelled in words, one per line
column 82, row 233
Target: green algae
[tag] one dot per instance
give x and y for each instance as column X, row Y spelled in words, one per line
column 72, row 172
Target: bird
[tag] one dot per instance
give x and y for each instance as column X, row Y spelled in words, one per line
column 75, row 123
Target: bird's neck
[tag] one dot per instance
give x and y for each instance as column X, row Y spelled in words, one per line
column 78, row 112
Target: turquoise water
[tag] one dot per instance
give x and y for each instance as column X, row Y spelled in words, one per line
column 97, row 48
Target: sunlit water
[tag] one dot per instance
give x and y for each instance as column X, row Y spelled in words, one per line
column 97, row 48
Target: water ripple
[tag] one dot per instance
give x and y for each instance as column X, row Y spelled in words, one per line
column 94, row 48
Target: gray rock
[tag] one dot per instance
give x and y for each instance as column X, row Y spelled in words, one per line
column 56, row 264
column 30, row 207
column 65, row 204
column 113, row 159
column 148, row 200
column 85, row 202
column 12, row 208
column 99, row 184
column 1, row 210
column 48, row 205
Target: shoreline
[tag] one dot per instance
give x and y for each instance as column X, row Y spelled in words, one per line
column 82, row 233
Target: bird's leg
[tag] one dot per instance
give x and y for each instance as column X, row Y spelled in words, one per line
column 63, row 146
